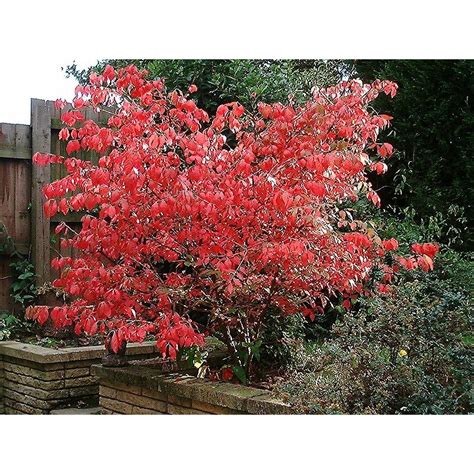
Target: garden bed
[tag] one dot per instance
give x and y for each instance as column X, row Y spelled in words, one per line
column 37, row 380
column 145, row 389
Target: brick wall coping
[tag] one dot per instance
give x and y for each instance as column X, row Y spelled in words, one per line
column 46, row 355
column 236, row 397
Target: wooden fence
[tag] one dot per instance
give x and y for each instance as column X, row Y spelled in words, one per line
column 21, row 200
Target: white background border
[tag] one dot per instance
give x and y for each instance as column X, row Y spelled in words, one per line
column 239, row 29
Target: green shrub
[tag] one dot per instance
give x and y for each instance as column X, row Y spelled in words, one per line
column 12, row 326
column 280, row 337
column 409, row 352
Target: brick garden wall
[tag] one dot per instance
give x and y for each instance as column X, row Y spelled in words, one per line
column 137, row 390
column 37, row 380
column 117, row 398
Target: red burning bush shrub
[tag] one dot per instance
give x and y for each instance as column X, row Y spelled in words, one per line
column 230, row 216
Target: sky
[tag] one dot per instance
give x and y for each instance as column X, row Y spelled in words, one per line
column 39, row 77
column 37, row 45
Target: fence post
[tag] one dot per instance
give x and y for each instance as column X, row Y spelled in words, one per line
column 40, row 175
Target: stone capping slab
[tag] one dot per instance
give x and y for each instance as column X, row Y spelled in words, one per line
column 46, row 355
column 236, row 397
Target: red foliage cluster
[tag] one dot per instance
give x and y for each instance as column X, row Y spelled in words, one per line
column 230, row 216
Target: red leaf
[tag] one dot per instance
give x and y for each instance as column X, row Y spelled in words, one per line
column 50, row 208
column 109, row 72
column 391, row 244
column 93, row 329
column 104, row 310
column 73, row 146
column 318, row 189
column 227, row 374
column 153, row 141
column 41, row 159
column 115, row 343
column 385, row 150
column 42, row 314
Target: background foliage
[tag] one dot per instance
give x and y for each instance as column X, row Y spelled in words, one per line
column 410, row 352
column 433, row 132
column 245, row 80
column 22, row 291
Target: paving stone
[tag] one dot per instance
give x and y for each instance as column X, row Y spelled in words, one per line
column 88, row 390
column 81, row 364
column 107, row 392
column 38, row 379
column 267, row 405
column 45, row 355
column 181, row 401
column 186, row 391
column 11, row 395
column 127, row 388
column 13, row 407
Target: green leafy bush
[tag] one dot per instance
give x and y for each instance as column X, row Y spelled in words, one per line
column 279, row 338
column 409, row 352
column 12, row 326
column 23, row 288
column 433, row 135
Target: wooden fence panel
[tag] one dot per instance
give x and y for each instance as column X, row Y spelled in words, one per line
column 15, row 197
column 21, row 199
